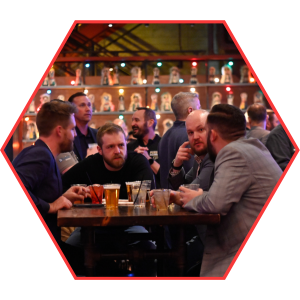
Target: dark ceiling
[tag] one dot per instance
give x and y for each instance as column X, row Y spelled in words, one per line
column 103, row 45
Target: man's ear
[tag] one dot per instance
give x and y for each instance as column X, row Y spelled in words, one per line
column 99, row 150
column 150, row 122
column 190, row 109
column 213, row 135
column 59, row 130
column 249, row 120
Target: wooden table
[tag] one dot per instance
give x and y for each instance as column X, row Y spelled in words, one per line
column 89, row 218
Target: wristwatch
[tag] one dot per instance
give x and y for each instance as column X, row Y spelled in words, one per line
column 151, row 161
column 176, row 168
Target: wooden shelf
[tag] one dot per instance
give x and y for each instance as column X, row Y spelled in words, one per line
column 144, row 86
column 110, row 113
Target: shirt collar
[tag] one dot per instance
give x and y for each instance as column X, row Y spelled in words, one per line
column 141, row 141
column 79, row 133
column 197, row 159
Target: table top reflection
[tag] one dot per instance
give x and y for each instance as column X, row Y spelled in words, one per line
column 128, row 215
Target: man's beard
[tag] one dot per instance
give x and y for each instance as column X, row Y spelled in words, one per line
column 116, row 164
column 201, row 152
column 211, row 149
column 66, row 146
column 141, row 131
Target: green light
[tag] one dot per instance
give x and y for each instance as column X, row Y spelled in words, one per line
column 121, row 117
column 159, row 64
column 157, row 90
column 230, row 63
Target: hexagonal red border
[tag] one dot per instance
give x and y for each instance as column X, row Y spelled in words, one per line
column 257, row 80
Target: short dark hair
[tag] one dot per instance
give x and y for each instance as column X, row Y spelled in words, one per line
column 257, row 112
column 228, row 120
column 71, row 99
column 54, row 113
column 108, row 128
column 149, row 114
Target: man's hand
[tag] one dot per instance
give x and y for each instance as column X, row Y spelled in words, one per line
column 77, row 193
column 174, row 198
column 183, row 154
column 60, row 203
column 142, row 150
column 187, row 195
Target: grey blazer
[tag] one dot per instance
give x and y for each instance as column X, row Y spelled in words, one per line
column 245, row 176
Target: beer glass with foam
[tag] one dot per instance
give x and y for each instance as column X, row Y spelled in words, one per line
column 112, row 193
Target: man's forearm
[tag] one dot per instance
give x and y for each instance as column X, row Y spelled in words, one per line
column 155, row 167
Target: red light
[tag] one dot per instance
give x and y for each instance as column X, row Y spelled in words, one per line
column 73, row 82
column 228, row 89
column 194, row 64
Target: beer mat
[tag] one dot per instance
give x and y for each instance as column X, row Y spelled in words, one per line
column 120, row 200
column 88, row 205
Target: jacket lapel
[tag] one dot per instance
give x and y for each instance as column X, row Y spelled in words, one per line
column 77, row 148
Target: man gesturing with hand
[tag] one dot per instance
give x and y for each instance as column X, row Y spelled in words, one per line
column 202, row 169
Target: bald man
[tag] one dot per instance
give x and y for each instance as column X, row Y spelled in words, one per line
column 202, row 168
column 182, row 105
column 201, row 173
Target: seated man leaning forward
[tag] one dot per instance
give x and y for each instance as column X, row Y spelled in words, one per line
column 110, row 165
column 244, row 177
column 38, row 171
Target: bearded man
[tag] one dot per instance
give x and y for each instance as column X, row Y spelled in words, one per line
column 245, row 174
column 111, row 164
column 202, row 169
column 146, row 143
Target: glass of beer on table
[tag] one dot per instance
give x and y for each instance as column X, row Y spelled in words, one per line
column 96, row 191
column 139, row 192
column 147, row 184
column 129, row 189
column 161, row 198
column 112, row 193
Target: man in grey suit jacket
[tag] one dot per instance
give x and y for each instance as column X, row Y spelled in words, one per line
column 257, row 116
column 244, row 177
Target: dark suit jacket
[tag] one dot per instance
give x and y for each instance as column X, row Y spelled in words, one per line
column 39, row 173
column 203, row 179
column 77, row 148
column 280, row 146
column 167, row 150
